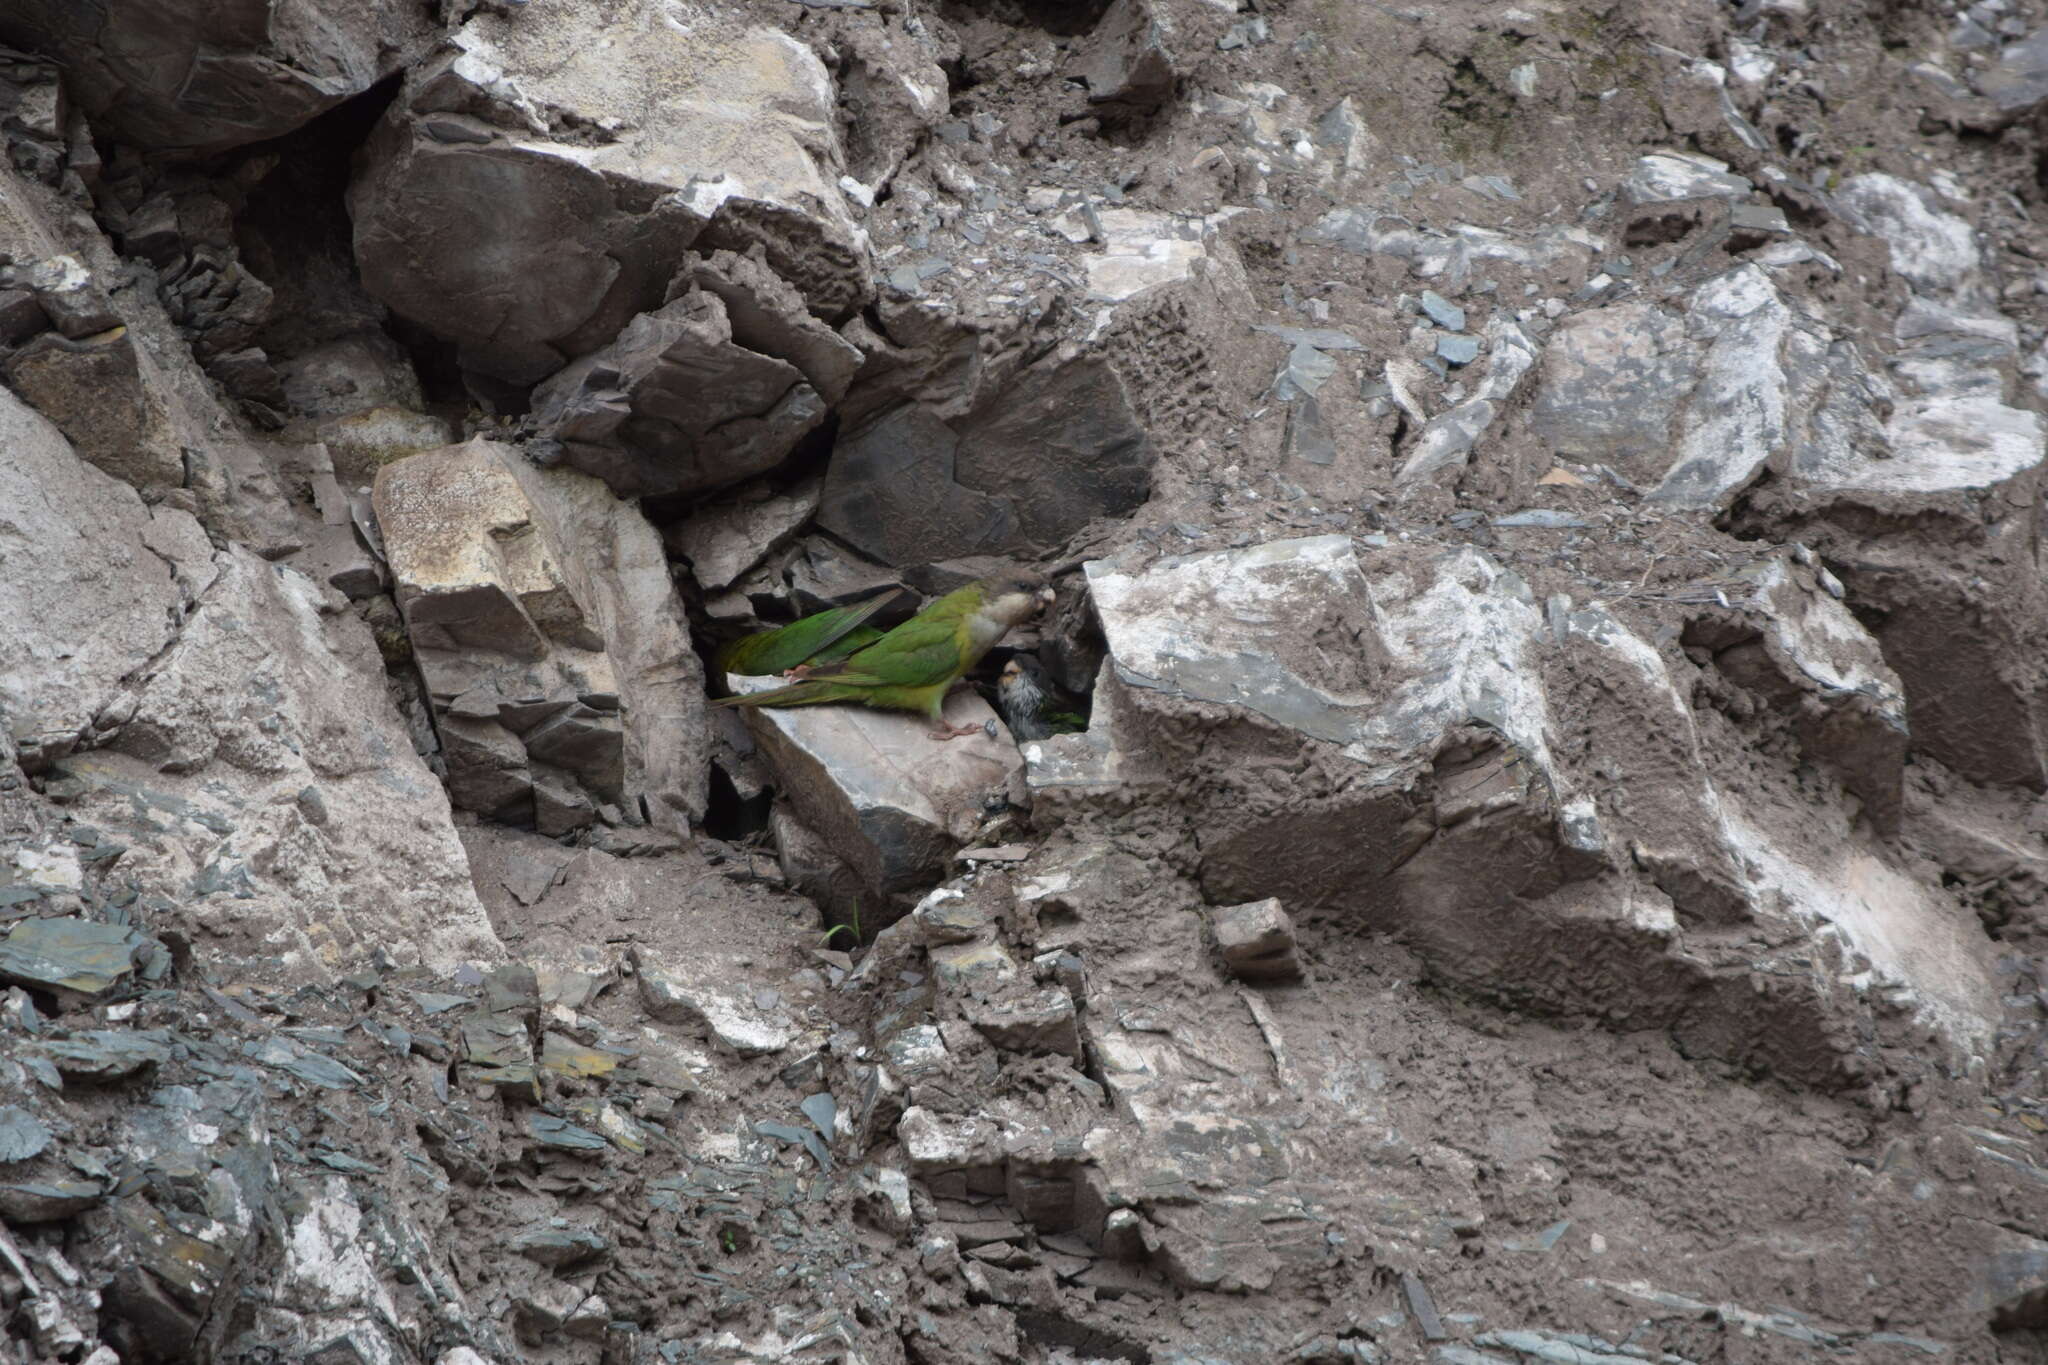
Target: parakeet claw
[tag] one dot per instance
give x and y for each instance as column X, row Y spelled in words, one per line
column 945, row 731
column 799, row 673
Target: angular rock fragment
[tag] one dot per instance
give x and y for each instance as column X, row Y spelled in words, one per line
column 77, row 959
column 2018, row 82
column 364, row 440
column 48, row 1201
column 1930, row 248
column 969, row 1151
column 546, row 628
column 725, row 539
column 893, row 491
column 1130, row 62
column 768, row 315
column 93, row 389
column 976, row 967
column 1805, row 656
column 812, row 869
column 1344, row 133
column 1218, row 1210
column 886, row 797
column 1040, row 1021
column 946, row 917
column 22, row 1134
column 1669, row 193
column 173, row 1269
column 1256, row 940
column 1142, row 251
column 104, row 1056
column 1448, row 438
column 2014, row 1285
column 727, row 1013
column 1610, row 383
column 674, row 405
column 497, row 1040
column 896, row 92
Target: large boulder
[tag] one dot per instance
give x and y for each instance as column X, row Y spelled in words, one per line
column 221, row 723
column 1389, row 722
column 549, row 637
column 267, row 725
column 94, row 585
column 530, row 192
column 202, row 76
column 1029, row 465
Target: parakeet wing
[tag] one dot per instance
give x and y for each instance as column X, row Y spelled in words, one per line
column 923, row 650
column 778, row 651
column 859, row 638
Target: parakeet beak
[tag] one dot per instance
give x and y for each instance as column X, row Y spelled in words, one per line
column 1046, row 597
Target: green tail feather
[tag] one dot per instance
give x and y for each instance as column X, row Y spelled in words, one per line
column 796, row 694
column 819, row 638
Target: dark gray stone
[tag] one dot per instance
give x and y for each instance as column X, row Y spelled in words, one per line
column 676, row 406
column 560, row 1244
column 768, row 315
column 2019, row 81
column 22, row 1134
column 1034, row 462
column 487, row 769
column 77, row 958
column 893, row 492
column 205, row 75
column 105, row 1055
column 21, row 317
column 48, row 1201
column 582, row 268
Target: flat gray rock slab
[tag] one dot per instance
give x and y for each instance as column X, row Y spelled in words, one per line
column 892, row 801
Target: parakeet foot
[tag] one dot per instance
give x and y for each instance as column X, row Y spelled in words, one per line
column 797, row 674
column 945, row 731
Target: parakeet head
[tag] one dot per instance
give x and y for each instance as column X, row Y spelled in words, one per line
column 1014, row 598
column 1024, row 670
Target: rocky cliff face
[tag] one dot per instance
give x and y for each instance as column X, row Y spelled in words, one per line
column 1545, row 510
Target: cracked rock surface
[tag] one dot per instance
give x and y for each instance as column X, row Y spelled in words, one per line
column 1534, row 845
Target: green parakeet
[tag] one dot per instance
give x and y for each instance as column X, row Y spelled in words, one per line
column 823, row 638
column 912, row 667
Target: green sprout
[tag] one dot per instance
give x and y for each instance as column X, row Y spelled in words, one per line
column 836, row 930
